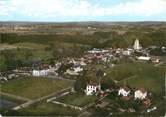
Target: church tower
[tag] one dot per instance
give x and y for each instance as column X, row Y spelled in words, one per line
column 136, row 45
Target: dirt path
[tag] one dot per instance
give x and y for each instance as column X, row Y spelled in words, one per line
column 15, row 96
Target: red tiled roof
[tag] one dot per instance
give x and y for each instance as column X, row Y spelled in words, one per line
column 142, row 90
column 93, row 83
column 126, row 88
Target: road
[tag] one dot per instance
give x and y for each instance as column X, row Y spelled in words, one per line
column 61, row 78
column 15, row 96
column 158, row 64
column 125, row 79
column 85, row 114
column 40, row 99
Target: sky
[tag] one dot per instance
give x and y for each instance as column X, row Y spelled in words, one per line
column 82, row 10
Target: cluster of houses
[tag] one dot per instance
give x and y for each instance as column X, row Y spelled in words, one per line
column 97, row 56
column 106, row 55
column 94, row 88
column 125, row 92
column 44, row 72
column 75, row 69
column 139, row 94
column 13, row 74
column 92, row 56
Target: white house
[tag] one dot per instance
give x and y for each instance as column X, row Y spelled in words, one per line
column 71, row 72
column 144, row 58
column 124, row 91
column 127, row 52
column 155, row 60
column 74, row 71
column 73, row 61
column 40, row 72
column 140, row 94
column 152, row 109
column 78, row 69
column 95, row 50
column 82, row 63
column 57, row 65
column 92, row 88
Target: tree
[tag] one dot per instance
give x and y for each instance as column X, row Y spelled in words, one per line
column 99, row 73
column 3, row 65
column 80, row 84
column 107, row 82
column 63, row 68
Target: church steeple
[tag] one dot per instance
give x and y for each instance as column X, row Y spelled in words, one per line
column 136, row 45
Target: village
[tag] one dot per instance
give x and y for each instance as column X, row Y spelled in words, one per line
column 113, row 98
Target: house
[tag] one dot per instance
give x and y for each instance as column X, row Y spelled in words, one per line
column 2, row 78
column 127, row 52
column 104, row 59
column 40, row 72
column 152, row 109
column 82, row 63
column 72, row 61
column 155, row 60
column 96, row 50
column 146, row 102
column 74, row 71
column 78, row 69
column 58, row 65
column 103, row 93
column 71, row 72
column 140, row 94
column 124, row 91
column 92, row 88
column 144, row 58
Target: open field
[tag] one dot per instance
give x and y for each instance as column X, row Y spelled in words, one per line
column 153, row 84
column 139, row 75
column 34, row 87
column 123, row 71
column 77, row 99
column 8, row 102
column 18, row 101
column 7, row 47
column 30, row 45
column 45, row 109
column 49, row 109
column 22, row 45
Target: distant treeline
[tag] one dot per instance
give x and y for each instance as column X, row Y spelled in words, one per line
column 98, row 39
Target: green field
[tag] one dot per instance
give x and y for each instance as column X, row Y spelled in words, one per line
column 77, row 99
column 49, row 109
column 2, row 97
column 153, row 84
column 139, row 75
column 30, row 45
column 34, row 87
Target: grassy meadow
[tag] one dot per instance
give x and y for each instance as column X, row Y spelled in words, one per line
column 34, row 87
column 139, row 75
column 44, row 109
column 77, row 99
